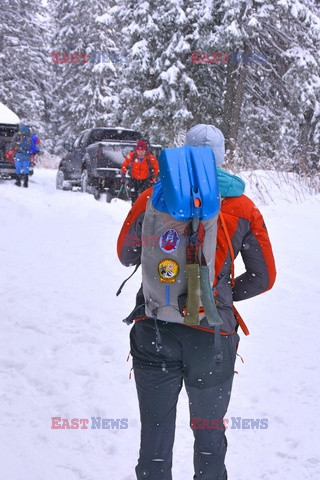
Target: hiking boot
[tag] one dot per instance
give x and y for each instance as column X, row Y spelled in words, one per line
column 25, row 181
column 18, row 181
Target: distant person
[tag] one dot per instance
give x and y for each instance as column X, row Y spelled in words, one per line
column 23, row 152
column 143, row 169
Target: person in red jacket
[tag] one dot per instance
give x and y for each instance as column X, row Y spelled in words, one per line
column 187, row 353
column 143, row 168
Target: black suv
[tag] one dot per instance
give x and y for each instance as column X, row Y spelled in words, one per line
column 94, row 160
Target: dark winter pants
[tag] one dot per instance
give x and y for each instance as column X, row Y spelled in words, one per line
column 186, row 355
column 138, row 186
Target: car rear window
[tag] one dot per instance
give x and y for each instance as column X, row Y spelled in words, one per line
column 115, row 154
column 8, row 130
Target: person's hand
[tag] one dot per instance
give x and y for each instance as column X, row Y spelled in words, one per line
column 153, row 180
column 122, row 179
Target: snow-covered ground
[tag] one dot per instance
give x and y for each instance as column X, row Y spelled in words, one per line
column 63, row 347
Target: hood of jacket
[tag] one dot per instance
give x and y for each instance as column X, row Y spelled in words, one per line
column 229, row 185
column 207, row 136
column 24, row 130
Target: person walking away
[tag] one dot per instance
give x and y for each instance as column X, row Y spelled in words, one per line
column 23, row 156
column 143, row 168
column 187, row 353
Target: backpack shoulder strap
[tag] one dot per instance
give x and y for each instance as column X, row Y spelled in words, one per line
column 125, row 281
column 150, row 167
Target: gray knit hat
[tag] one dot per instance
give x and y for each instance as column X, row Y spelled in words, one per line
column 207, row 136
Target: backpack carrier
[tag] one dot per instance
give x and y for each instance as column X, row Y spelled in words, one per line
column 25, row 140
column 179, row 238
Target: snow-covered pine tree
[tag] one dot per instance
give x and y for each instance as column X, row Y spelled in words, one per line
column 281, row 96
column 24, row 74
column 157, row 89
column 302, row 80
column 271, row 109
column 85, row 64
column 236, row 34
column 208, row 64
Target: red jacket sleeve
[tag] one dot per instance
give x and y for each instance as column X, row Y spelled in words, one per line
column 127, row 161
column 257, row 255
column 154, row 164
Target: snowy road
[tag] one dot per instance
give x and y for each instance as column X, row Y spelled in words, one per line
column 63, row 348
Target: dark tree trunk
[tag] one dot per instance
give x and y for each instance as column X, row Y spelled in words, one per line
column 235, row 88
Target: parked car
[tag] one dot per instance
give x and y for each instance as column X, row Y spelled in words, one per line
column 9, row 125
column 94, row 160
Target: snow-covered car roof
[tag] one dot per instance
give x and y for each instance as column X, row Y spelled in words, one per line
column 7, row 116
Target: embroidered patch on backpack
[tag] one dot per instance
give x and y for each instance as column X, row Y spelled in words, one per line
column 168, row 270
column 169, row 241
